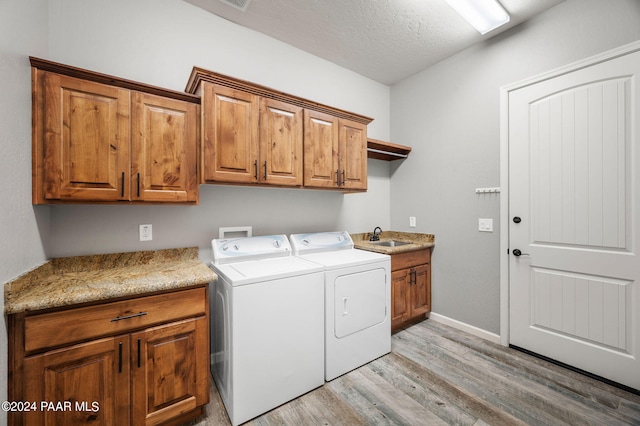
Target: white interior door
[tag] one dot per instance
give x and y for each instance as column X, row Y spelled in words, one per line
column 574, row 216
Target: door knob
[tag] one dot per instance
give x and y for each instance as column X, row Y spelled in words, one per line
column 518, row 253
column 517, row 219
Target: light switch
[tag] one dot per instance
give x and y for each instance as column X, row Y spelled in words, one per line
column 146, row 232
column 485, row 225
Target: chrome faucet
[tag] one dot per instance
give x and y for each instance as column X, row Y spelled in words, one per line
column 376, row 234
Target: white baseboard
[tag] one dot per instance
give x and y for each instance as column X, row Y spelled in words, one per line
column 478, row 332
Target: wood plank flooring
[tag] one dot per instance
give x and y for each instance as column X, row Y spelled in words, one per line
column 439, row 375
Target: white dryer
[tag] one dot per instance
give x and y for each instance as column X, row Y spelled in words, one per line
column 267, row 325
column 357, row 299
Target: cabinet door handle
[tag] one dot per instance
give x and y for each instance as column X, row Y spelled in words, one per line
column 120, row 357
column 138, row 185
column 337, row 177
column 255, row 165
column 138, row 353
column 344, row 179
column 265, row 170
column 122, row 189
column 139, row 314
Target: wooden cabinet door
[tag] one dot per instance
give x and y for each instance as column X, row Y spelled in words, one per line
column 280, row 144
column 170, row 370
column 320, row 150
column 420, row 290
column 353, row 155
column 81, row 384
column 163, row 146
column 400, row 294
column 86, row 140
column 230, row 135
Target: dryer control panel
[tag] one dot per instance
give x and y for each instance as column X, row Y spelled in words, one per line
column 320, row 242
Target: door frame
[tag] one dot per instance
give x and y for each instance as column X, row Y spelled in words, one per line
column 504, row 165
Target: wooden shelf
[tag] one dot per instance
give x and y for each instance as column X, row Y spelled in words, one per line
column 387, row 151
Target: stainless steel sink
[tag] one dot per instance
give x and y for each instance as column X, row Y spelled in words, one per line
column 391, row 243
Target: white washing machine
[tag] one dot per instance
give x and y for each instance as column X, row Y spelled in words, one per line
column 267, row 325
column 357, row 299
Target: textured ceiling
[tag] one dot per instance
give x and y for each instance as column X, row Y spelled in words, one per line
column 385, row 40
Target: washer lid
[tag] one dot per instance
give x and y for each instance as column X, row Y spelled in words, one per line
column 320, row 242
column 262, row 270
column 249, row 248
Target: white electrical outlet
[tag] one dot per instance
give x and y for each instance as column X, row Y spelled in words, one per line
column 146, row 233
column 412, row 221
column 485, row 225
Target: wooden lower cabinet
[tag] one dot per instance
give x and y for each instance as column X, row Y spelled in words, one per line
column 168, row 377
column 410, row 287
column 78, row 385
column 142, row 376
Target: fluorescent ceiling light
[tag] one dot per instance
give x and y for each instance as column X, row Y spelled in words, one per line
column 484, row 15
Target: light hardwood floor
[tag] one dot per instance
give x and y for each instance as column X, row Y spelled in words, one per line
column 438, row 375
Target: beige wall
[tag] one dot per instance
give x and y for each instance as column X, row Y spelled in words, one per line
column 158, row 42
column 24, row 230
column 450, row 115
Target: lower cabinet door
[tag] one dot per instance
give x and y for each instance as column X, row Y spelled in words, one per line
column 170, row 370
column 82, row 384
column 420, row 290
column 400, row 294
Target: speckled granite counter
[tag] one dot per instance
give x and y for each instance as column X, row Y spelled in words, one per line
column 72, row 280
column 417, row 241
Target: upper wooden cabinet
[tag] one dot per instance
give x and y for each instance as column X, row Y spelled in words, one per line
column 256, row 135
column 229, row 135
column 335, row 152
column 281, row 144
column 248, row 139
column 97, row 138
column 353, row 155
column 321, row 166
column 84, row 139
column 164, row 146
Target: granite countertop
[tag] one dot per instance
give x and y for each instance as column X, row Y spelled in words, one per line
column 417, row 241
column 73, row 280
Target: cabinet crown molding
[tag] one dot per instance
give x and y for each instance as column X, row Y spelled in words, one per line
column 55, row 67
column 199, row 75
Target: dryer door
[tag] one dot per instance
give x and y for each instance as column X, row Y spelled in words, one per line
column 359, row 301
